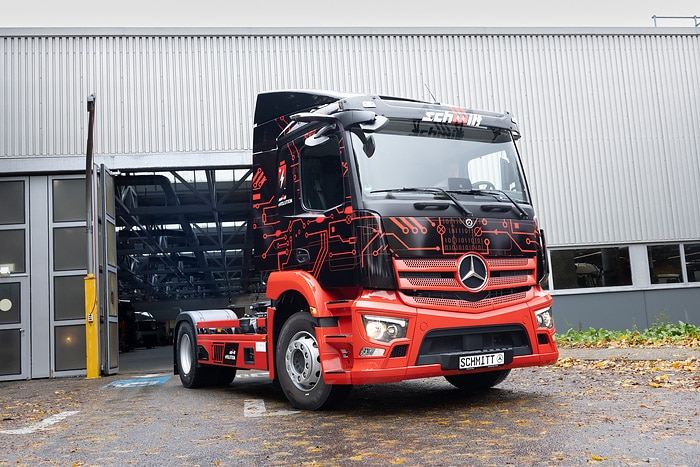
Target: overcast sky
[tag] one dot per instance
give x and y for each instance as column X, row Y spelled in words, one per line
column 334, row 13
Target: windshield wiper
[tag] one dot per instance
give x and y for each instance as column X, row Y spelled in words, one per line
column 497, row 194
column 465, row 212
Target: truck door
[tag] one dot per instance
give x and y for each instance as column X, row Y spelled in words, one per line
column 325, row 212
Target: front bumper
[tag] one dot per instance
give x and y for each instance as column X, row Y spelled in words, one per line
column 435, row 340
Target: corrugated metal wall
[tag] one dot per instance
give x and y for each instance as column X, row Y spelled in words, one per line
column 611, row 120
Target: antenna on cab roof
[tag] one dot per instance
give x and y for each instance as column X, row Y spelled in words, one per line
column 435, row 101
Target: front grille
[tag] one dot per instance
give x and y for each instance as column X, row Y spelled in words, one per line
column 440, row 342
column 428, row 298
column 433, row 282
column 422, row 263
column 425, row 280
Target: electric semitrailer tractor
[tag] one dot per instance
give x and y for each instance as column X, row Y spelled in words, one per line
column 396, row 239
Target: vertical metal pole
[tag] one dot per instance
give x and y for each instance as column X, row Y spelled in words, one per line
column 89, row 161
column 92, row 330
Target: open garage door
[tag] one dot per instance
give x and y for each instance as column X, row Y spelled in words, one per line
column 183, row 240
column 107, row 260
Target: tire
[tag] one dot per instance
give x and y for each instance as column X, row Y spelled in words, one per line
column 191, row 374
column 298, row 365
column 222, row 376
column 478, row 381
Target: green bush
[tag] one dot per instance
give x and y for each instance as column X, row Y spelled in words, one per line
column 656, row 334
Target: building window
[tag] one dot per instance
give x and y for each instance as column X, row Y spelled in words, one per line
column 591, row 267
column 70, row 348
column 665, row 264
column 12, row 207
column 69, row 297
column 69, row 248
column 68, row 200
column 10, row 293
column 12, row 248
column 692, row 261
column 11, row 350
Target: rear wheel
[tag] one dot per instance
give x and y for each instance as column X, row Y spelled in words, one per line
column 298, row 362
column 191, row 375
column 478, row 381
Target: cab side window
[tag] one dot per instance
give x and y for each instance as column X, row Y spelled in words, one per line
column 321, row 176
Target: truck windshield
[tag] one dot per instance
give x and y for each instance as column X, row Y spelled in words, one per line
column 460, row 160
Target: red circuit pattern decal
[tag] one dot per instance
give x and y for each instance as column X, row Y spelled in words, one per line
column 331, row 245
column 411, row 236
column 290, row 237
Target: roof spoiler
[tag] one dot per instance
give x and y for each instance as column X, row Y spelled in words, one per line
column 273, row 108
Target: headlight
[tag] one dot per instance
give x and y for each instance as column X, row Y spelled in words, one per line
column 382, row 328
column 544, row 318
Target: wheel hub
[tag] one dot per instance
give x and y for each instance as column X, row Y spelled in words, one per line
column 302, row 361
column 185, row 348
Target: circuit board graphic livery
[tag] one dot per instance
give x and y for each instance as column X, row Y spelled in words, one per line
column 424, row 236
column 338, row 244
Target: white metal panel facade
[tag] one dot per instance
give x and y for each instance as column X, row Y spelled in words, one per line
column 610, row 118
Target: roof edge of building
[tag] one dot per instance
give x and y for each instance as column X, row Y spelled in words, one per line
column 342, row 31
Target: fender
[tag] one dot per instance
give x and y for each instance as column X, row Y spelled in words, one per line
column 307, row 285
column 318, row 300
column 194, row 317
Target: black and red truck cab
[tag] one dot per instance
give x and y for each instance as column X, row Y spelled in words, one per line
column 397, row 239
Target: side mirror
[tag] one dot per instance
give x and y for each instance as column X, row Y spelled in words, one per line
column 368, row 146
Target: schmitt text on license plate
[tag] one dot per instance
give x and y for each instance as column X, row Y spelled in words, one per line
column 467, row 362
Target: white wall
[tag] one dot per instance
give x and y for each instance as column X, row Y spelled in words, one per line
column 609, row 118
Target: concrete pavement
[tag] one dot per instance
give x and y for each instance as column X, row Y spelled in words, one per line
column 631, row 353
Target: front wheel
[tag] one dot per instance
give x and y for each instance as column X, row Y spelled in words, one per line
column 298, row 362
column 478, row 381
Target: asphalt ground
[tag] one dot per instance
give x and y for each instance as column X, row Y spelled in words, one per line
column 160, row 359
column 601, row 406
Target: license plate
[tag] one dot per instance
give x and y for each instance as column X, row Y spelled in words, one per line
column 467, row 362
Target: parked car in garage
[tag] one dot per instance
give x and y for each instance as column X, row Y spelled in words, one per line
column 136, row 328
column 127, row 326
column 146, row 329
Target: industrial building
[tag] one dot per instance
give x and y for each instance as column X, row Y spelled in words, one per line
column 610, row 144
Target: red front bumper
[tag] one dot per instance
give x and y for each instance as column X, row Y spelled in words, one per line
column 342, row 346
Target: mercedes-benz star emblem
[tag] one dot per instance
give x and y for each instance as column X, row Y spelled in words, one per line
column 473, row 273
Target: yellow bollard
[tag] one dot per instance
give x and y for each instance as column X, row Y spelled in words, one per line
column 92, row 349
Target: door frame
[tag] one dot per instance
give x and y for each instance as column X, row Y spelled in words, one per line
column 23, row 279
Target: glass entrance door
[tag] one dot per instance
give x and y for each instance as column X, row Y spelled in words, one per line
column 14, row 281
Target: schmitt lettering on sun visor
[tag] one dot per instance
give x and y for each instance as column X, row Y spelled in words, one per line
column 456, row 118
